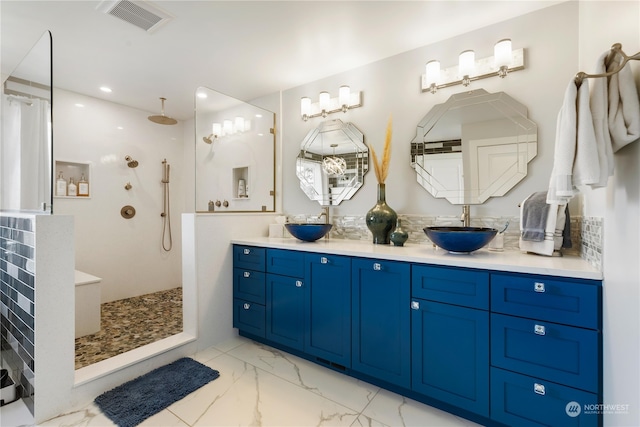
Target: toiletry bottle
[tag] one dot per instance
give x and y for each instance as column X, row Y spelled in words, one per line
column 61, row 185
column 72, row 188
column 241, row 188
column 83, row 187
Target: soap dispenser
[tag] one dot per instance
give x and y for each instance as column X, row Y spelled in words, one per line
column 72, row 188
column 83, row 187
column 61, row 185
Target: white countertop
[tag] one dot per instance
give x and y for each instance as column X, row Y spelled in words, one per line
column 509, row 260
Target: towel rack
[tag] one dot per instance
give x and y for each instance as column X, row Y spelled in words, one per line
column 616, row 49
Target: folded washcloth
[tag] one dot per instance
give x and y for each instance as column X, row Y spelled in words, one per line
column 624, row 106
column 576, row 160
column 555, row 228
column 534, row 214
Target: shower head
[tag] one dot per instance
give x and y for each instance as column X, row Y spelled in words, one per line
column 162, row 119
column 208, row 139
column 130, row 162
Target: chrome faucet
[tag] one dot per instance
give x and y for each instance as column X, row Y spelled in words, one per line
column 466, row 216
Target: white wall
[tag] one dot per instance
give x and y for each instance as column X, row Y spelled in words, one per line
column 392, row 87
column 126, row 253
column 601, row 25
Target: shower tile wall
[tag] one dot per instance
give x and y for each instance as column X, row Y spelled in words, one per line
column 17, row 297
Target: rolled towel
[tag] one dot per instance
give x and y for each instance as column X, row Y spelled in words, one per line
column 624, row 107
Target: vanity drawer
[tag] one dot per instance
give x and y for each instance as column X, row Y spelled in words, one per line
column 249, row 257
column 523, row 401
column 564, row 354
column 286, row 263
column 571, row 302
column 463, row 287
column 249, row 317
column 249, row 285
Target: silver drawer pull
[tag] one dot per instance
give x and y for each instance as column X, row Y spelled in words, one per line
column 324, row 260
column 415, row 305
column 538, row 287
column 247, row 251
column 247, row 274
column 539, row 330
column 298, row 283
column 377, row 266
column 246, row 306
column 539, row 389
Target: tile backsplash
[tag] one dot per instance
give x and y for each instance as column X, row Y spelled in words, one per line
column 17, row 302
column 586, row 232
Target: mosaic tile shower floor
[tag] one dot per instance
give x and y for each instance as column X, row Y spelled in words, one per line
column 131, row 323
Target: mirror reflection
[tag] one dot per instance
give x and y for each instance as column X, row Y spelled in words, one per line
column 332, row 162
column 474, row 146
column 235, row 155
column 25, row 147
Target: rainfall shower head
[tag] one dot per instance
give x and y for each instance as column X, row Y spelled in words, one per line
column 162, row 119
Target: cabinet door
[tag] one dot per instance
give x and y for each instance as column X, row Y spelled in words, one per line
column 285, row 309
column 381, row 320
column 450, row 354
column 328, row 310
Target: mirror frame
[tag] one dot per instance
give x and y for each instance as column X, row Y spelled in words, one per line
column 218, row 105
column 520, row 147
column 309, row 163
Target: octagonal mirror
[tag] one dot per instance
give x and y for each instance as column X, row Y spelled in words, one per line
column 332, row 162
column 474, row 146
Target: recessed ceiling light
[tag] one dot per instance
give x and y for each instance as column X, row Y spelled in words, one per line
column 202, row 95
column 105, row 89
column 119, row 128
column 80, row 105
column 258, row 115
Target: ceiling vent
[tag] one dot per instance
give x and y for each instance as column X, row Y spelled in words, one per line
column 142, row 14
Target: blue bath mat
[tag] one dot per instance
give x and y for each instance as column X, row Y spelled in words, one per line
column 133, row 402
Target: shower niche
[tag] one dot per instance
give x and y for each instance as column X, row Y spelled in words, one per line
column 240, row 181
column 79, row 172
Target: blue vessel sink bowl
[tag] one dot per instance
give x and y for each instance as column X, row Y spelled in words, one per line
column 460, row 239
column 308, row 232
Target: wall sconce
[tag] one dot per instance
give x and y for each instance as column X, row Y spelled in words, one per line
column 327, row 105
column 504, row 61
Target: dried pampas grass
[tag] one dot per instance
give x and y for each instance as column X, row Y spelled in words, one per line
column 382, row 169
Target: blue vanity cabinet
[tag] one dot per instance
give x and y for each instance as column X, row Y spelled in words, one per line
column 285, row 298
column 546, row 350
column 450, row 336
column 381, row 320
column 328, row 308
column 249, row 289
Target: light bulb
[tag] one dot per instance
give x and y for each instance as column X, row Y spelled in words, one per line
column 467, row 63
column 305, row 107
column 216, row 130
column 344, row 97
column 325, row 99
column 502, row 56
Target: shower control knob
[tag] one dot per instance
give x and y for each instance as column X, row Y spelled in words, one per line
column 225, row 204
column 218, row 204
column 128, row 212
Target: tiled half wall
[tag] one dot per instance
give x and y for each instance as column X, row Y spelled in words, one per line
column 17, row 302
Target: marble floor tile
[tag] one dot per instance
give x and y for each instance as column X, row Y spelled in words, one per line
column 265, row 387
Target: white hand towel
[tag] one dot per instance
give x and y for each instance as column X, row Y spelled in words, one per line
column 575, row 156
column 624, row 107
column 599, row 112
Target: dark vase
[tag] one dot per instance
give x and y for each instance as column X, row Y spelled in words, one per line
column 381, row 219
column 398, row 236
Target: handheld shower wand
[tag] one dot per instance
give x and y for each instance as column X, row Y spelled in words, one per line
column 166, row 214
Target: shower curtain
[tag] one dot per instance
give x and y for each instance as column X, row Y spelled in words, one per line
column 25, row 154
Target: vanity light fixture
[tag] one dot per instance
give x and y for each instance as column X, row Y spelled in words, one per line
column 327, row 105
column 504, row 61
